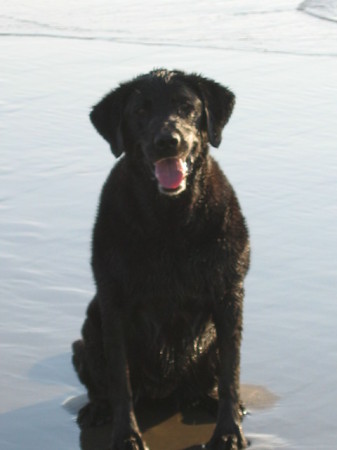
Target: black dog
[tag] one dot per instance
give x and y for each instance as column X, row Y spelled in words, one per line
column 170, row 252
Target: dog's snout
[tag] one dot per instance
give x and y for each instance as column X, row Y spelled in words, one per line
column 166, row 140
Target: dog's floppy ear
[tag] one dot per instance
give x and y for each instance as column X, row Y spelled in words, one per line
column 218, row 105
column 107, row 118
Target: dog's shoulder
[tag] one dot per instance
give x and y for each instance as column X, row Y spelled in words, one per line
column 219, row 193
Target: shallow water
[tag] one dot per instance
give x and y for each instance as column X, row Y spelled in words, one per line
column 279, row 150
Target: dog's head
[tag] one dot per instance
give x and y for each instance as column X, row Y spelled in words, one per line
column 164, row 118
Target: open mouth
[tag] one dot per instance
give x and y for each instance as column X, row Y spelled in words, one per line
column 171, row 175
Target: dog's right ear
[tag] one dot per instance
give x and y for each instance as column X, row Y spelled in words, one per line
column 107, row 117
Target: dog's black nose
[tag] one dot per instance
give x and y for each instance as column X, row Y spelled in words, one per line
column 167, row 141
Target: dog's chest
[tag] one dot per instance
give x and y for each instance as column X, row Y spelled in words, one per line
column 170, row 288
column 168, row 271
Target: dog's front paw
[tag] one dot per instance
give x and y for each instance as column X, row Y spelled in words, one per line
column 228, row 441
column 133, row 442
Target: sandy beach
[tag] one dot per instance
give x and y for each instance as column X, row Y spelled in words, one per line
column 278, row 150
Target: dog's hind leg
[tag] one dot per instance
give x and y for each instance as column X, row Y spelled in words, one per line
column 89, row 363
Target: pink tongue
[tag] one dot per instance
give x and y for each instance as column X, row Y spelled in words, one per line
column 170, row 172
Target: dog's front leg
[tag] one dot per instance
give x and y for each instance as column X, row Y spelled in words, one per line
column 228, row 433
column 125, row 434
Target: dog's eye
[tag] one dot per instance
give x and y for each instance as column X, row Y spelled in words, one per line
column 143, row 109
column 141, row 112
column 185, row 109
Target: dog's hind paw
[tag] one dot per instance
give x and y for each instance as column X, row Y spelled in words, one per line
column 94, row 414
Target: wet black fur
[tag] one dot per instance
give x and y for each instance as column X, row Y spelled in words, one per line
column 169, row 267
